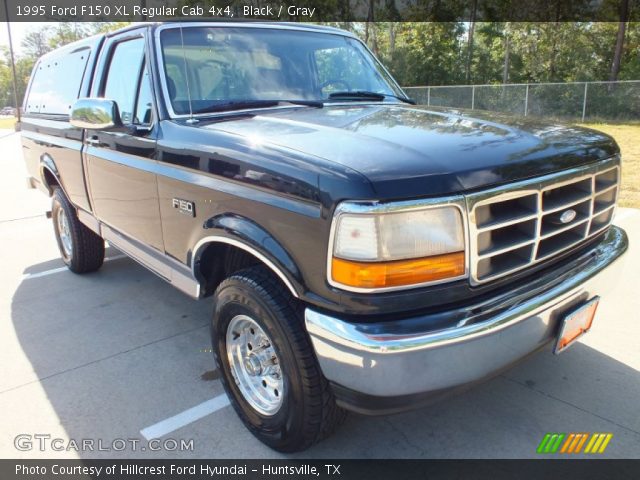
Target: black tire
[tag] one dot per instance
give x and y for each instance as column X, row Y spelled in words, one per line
column 86, row 251
column 308, row 412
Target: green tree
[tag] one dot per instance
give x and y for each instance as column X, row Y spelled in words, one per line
column 630, row 67
column 37, row 42
column 24, row 65
column 429, row 54
column 68, row 32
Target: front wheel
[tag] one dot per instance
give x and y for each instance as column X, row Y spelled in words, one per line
column 268, row 366
column 81, row 249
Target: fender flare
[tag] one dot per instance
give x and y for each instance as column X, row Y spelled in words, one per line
column 243, row 233
column 47, row 164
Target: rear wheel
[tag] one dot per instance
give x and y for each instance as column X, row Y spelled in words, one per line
column 268, row 365
column 81, row 249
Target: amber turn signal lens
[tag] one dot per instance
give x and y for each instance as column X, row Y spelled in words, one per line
column 397, row 273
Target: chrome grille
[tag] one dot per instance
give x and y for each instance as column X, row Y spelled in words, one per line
column 521, row 224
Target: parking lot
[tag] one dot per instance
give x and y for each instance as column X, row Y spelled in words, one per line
column 121, row 355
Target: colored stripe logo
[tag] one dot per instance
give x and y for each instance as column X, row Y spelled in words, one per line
column 574, row 443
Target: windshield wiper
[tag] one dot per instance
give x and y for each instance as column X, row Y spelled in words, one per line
column 249, row 104
column 236, row 105
column 357, row 95
column 365, row 95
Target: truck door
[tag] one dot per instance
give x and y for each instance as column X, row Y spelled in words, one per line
column 121, row 163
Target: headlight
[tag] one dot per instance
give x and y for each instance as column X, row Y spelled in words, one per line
column 391, row 249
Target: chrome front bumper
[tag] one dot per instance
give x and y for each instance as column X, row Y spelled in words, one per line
column 393, row 363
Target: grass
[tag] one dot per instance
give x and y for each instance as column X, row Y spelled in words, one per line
column 7, row 122
column 627, row 137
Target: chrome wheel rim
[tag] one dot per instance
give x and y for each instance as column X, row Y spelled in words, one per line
column 254, row 365
column 64, row 233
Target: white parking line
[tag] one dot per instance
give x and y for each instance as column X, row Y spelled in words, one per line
column 171, row 424
column 29, row 276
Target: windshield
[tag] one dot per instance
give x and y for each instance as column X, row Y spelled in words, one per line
column 207, row 68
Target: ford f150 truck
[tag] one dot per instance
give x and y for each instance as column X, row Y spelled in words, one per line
column 363, row 253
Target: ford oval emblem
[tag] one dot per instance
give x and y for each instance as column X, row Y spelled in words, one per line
column 568, row 216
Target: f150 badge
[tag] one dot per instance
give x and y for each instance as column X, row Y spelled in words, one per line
column 184, row 206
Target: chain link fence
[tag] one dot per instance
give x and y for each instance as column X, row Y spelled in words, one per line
column 576, row 101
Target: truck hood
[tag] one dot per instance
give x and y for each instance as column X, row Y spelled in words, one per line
column 408, row 151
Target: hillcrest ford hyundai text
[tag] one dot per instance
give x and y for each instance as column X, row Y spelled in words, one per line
column 363, row 253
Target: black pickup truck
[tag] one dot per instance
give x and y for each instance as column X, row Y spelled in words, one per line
column 363, row 253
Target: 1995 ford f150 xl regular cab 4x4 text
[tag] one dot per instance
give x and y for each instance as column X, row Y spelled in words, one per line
column 363, row 253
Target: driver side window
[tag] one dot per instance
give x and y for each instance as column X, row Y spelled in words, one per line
column 144, row 102
column 127, row 57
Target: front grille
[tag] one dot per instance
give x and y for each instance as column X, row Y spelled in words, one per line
column 521, row 224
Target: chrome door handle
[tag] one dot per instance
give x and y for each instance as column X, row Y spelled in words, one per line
column 94, row 140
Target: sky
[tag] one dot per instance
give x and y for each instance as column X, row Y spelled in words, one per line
column 18, row 32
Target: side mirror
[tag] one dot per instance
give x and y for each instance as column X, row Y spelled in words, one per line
column 95, row 114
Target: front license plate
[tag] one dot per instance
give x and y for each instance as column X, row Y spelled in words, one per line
column 575, row 324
